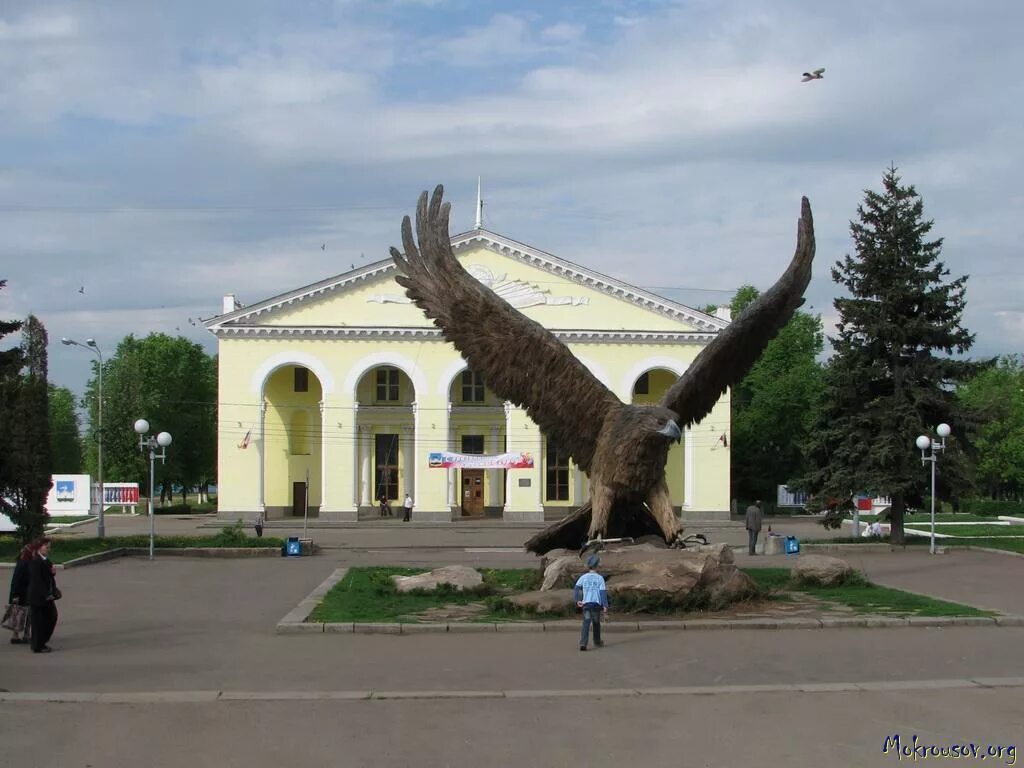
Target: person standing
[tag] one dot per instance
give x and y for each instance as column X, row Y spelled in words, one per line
column 753, row 522
column 17, row 610
column 385, row 503
column 407, row 504
column 42, row 597
column 591, row 594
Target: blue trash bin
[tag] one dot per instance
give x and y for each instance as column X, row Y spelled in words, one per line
column 293, row 547
column 792, row 545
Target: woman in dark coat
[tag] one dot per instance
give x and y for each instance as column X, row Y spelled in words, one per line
column 19, row 591
column 42, row 597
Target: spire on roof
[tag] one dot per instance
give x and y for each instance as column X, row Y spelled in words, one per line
column 479, row 205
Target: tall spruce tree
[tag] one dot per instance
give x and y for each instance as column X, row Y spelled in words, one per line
column 891, row 377
column 10, row 378
column 31, row 433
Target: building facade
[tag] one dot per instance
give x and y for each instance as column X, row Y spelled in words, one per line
column 336, row 394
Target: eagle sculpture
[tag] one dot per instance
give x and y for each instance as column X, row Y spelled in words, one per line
column 622, row 448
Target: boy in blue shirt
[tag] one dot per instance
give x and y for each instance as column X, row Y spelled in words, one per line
column 591, row 595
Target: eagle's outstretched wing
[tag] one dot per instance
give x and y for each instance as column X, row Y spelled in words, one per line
column 519, row 359
column 727, row 359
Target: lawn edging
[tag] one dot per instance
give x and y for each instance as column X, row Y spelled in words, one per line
column 689, row 625
column 296, row 621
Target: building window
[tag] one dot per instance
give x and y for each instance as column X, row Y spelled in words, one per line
column 387, row 385
column 301, row 379
column 386, row 469
column 556, row 485
column 472, row 387
column 643, row 385
column 473, row 444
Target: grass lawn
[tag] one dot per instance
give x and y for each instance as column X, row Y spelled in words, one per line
column 864, row 597
column 1010, row 545
column 69, row 549
column 367, row 594
column 973, row 530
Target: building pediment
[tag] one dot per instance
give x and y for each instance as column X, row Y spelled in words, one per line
column 574, row 302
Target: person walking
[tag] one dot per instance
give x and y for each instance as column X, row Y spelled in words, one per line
column 753, row 523
column 407, row 504
column 16, row 617
column 42, row 597
column 591, row 594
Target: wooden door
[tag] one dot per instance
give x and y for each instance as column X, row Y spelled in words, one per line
column 473, row 492
column 298, row 499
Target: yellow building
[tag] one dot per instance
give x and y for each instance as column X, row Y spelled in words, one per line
column 337, row 392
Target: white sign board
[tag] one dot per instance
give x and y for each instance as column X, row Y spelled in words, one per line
column 69, row 495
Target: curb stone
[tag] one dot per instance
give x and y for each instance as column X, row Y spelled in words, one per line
column 216, row 697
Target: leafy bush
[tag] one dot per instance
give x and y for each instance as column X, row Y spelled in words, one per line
column 994, row 508
column 232, row 536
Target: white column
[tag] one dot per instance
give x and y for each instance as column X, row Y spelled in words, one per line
column 688, row 473
column 323, row 454
column 452, row 473
column 494, row 475
column 407, row 445
column 263, row 456
column 365, row 452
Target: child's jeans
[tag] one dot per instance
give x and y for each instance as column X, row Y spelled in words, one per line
column 591, row 615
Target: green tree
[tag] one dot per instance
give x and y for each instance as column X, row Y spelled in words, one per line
column 30, row 433
column 891, row 378
column 773, row 407
column 10, row 379
column 65, row 435
column 995, row 398
column 172, row 383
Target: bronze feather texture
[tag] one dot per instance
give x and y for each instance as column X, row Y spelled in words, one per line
column 622, row 448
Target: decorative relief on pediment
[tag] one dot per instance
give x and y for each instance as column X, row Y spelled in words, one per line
column 518, row 293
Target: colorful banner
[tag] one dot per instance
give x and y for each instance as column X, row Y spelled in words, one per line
column 449, row 460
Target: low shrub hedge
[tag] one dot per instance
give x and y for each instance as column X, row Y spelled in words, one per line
column 993, row 508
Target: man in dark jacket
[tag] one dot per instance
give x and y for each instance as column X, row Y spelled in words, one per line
column 753, row 523
column 42, row 598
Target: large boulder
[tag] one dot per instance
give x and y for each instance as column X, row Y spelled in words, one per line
column 545, row 601
column 646, row 576
column 459, row 577
column 821, row 569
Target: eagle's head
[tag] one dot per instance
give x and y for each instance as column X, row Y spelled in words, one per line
column 656, row 423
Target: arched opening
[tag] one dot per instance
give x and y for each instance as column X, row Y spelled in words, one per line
column 293, row 445
column 648, row 389
column 476, row 426
column 385, row 425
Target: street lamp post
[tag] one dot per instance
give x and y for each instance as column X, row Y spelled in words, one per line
column 933, row 446
column 150, row 443
column 92, row 346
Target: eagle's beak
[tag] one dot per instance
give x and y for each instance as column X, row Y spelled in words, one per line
column 671, row 430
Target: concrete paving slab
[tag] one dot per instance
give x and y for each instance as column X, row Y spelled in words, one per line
column 158, row 697
column 586, row 693
column 339, row 627
column 437, row 695
column 299, row 628
column 376, row 628
column 914, row 685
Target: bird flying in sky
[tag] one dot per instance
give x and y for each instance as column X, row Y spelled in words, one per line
column 817, row 74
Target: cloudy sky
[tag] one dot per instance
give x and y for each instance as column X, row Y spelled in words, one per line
column 161, row 154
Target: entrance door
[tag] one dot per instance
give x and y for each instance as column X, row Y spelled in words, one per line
column 473, row 492
column 298, row 499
